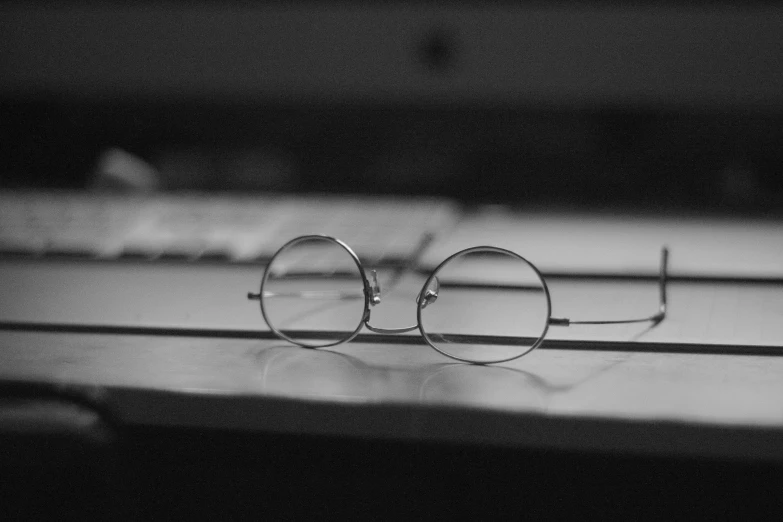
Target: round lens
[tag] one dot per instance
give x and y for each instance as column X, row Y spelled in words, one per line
column 484, row 305
column 313, row 292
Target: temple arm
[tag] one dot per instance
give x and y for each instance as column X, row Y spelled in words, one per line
column 663, row 276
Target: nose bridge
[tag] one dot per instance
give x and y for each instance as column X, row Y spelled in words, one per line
column 375, row 298
column 372, row 328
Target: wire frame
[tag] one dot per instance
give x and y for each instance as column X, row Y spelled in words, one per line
column 421, row 303
column 371, row 296
column 268, row 272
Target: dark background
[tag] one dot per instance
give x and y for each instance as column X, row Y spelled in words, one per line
column 657, row 159
column 664, row 106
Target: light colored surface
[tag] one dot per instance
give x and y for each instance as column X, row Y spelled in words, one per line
column 246, row 228
column 625, row 244
column 199, row 296
column 716, row 405
column 243, row 228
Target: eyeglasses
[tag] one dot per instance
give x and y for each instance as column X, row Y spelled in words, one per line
column 317, row 279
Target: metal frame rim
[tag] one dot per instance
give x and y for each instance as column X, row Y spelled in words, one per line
column 362, row 274
column 494, row 249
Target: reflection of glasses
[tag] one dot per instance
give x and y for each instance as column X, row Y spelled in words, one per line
column 315, row 293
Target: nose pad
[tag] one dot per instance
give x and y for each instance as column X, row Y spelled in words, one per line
column 375, row 289
column 429, row 298
column 430, row 294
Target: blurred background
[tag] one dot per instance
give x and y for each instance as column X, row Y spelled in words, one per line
column 664, row 106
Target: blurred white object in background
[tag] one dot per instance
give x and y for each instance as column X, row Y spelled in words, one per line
column 119, row 170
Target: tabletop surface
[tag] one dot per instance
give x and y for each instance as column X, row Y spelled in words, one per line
column 618, row 400
column 180, row 345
